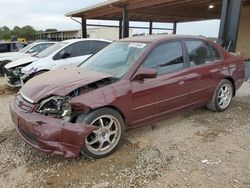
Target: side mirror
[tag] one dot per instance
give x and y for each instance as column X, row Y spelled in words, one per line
column 143, row 73
column 31, row 51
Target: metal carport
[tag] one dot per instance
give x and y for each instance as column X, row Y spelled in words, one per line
column 169, row 11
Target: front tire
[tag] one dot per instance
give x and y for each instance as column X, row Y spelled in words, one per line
column 107, row 137
column 39, row 73
column 222, row 97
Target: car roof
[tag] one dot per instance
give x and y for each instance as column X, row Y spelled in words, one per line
column 86, row 39
column 159, row 38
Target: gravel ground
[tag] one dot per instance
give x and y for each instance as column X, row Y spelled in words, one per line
column 195, row 149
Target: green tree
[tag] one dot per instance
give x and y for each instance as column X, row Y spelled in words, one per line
column 5, row 33
column 27, row 32
column 17, row 32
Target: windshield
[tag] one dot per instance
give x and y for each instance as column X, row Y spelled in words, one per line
column 115, row 59
column 51, row 49
column 23, row 50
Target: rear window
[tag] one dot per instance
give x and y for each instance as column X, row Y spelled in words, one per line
column 4, row 47
column 199, row 52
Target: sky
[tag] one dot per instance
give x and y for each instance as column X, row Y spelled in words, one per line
column 44, row 14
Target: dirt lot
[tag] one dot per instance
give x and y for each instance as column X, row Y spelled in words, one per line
column 195, row 149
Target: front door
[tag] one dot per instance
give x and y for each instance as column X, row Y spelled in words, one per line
column 152, row 98
column 75, row 53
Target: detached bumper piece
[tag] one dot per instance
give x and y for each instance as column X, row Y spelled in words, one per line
column 50, row 135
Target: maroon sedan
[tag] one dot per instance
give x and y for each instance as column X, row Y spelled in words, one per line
column 130, row 83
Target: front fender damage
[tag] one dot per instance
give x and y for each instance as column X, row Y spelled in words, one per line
column 66, row 141
column 80, row 107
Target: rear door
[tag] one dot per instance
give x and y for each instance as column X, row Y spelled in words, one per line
column 167, row 92
column 202, row 68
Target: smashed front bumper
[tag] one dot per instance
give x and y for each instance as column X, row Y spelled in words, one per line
column 50, row 135
column 2, row 64
column 14, row 81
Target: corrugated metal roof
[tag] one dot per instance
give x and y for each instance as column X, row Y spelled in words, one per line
column 152, row 10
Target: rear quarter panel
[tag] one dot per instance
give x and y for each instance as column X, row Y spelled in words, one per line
column 231, row 67
column 237, row 70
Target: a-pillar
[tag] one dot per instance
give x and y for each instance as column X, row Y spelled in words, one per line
column 125, row 22
column 120, row 29
column 84, row 28
column 174, row 28
column 151, row 27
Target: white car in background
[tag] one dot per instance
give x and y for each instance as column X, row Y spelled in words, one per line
column 28, row 51
column 69, row 52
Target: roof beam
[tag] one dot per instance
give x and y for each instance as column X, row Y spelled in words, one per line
column 177, row 14
column 135, row 4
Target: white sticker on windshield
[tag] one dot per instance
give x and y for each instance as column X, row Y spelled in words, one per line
column 137, row 45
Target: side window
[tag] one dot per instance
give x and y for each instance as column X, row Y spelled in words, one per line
column 4, row 47
column 40, row 47
column 81, row 49
column 216, row 54
column 19, row 45
column 15, row 46
column 74, row 50
column 166, row 58
column 199, row 53
column 98, row 45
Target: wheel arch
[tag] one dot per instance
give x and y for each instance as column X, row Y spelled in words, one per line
column 114, row 108
column 233, row 83
column 39, row 72
column 89, row 109
column 43, row 70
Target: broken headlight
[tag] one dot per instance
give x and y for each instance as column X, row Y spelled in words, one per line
column 17, row 71
column 57, row 106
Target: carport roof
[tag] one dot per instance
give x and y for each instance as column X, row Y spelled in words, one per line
column 153, row 10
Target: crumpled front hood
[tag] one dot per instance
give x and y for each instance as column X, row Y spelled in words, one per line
column 21, row 61
column 59, row 82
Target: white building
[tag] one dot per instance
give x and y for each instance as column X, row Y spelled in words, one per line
column 108, row 33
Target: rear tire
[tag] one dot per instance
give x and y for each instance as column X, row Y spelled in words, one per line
column 108, row 137
column 222, row 97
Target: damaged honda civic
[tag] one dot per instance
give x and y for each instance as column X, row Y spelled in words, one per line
column 132, row 82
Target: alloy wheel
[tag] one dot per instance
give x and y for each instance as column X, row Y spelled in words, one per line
column 225, row 96
column 105, row 137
